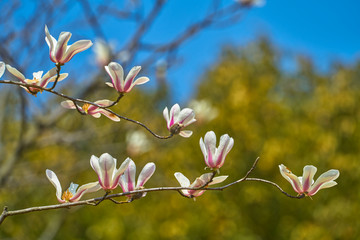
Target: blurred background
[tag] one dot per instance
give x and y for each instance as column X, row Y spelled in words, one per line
column 282, row 79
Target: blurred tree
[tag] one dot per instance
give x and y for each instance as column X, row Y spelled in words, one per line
column 295, row 118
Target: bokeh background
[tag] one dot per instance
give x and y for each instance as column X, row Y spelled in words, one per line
column 281, row 79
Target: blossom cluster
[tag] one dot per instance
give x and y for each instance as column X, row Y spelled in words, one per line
column 177, row 119
column 109, row 178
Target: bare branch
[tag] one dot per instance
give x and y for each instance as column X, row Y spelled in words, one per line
column 97, row 201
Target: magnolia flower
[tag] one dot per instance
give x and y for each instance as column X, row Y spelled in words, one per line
column 177, row 120
column 202, row 181
column 127, row 181
column 59, row 51
column 38, row 78
column 2, row 68
column 71, row 194
column 215, row 157
column 92, row 110
column 305, row 184
column 105, row 168
column 116, row 74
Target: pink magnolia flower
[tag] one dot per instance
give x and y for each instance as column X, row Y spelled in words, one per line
column 105, row 168
column 215, row 157
column 92, row 110
column 199, row 182
column 305, row 184
column 59, row 51
column 38, row 78
column 116, row 74
column 73, row 193
column 2, row 68
column 177, row 120
column 127, row 181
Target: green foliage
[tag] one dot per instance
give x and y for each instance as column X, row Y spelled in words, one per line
column 295, row 118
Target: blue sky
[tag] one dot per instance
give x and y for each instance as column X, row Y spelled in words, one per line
column 323, row 30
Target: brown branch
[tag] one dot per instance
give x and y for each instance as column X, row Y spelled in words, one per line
column 77, row 100
column 97, row 201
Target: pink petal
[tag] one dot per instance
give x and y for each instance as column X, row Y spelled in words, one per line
column 116, row 74
column 61, row 46
column 128, row 179
column 291, row 178
column 145, row 174
column 87, row 188
column 325, row 180
column 308, row 176
column 225, row 145
column 75, row 48
column 130, row 77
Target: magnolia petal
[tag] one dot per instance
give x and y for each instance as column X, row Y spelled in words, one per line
column 2, row 68
column 130, row 77
column 174, row 113
column 51, row 42
column 141, row 80
column 328, row 176
column 307, row 178
column 106, row 113
column 94, row 163
column 291, row 178
column 16, row 73
column 121, row 170
column 47, row 77
column 186, row 117
column 166, row 116
column 62, row 77
column 107, row 166
column 68, row 104
column 225, row 145
column 109, row 84
column 185, row 133
column 210, row 149
column 206, row 177
column 145, row 174
column 61, row 46
column 87, row 188
column 75, row 48
column 184, row 181
column 116, row 73
column 104, row 102
column 55, row 182
column 128, row 179
column 96, row 115
column 217, row 180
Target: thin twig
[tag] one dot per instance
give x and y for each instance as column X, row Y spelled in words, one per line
column 77, row 100
column 96, row 201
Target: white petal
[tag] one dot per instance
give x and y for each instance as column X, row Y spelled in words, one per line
column 145, row 174
column 185, row 133
column 16, row 73
column 68, row 104
column 218, row 180
column 2, row 68
column 184, row 181
column 55, row 181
